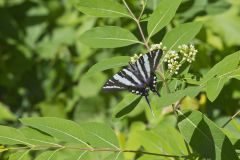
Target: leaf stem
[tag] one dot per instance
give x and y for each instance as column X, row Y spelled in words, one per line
column 224, row 125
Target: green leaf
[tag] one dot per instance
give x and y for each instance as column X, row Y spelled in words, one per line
column 109, row 63
column 193, row 9
column 62, row 129
column 12, row 136
column 133, row 142
column 90, row 86
column 228, row 26
column 5, row 113
column 108, row 37
column 214, row 87
column 36, row 137
column 48, row 155
column 128, row 103
column 153, row 141
column 22, row 155
column 225, row 66
column 162, row 16
column 205, row 137
column 100, row 8
column 221, row 73
column 182, row 34
column 232, row 130
column 236, row 74
column 100, row 135
column 168, row 99
column 171, row 135
column 218, row 7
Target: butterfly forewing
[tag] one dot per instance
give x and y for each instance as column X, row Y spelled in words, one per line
column 137, row 76
column 126, row 79
column 147, row 64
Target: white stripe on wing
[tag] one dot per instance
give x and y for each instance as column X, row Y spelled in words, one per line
column 129, row 73
column 141, row 71
column 123, row 80
column 147, row 64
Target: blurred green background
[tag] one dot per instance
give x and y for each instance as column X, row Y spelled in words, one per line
column 43, row 62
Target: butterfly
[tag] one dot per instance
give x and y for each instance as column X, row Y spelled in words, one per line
column 138, row 77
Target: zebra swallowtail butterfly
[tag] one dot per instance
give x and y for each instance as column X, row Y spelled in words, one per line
column 138, row 77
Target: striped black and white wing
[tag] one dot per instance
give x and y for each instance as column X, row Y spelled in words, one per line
column 126, row 79
column 137, row 76
column 147, row 64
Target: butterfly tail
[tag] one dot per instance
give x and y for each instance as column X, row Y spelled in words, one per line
column 158, row 93
column 146, row 97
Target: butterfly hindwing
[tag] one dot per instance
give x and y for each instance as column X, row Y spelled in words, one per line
column 138, row 76
column 126, row 79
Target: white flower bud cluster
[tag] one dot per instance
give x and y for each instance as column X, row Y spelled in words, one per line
column 135, row 58
column 158, row 46
column 176, row 59
column 188, row 52
column 153, row 47
column 172, row 61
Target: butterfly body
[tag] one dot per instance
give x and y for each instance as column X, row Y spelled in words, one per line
column 138, row 77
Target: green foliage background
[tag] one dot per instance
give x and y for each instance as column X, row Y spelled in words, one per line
column 44, row 67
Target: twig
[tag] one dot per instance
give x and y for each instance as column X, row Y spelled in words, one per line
column 157, row 154
column 42, row 147
column 137, row 20
column 231, row 119
column 143, row 8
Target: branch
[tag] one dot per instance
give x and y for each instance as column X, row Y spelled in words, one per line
column 137, row 20
column 44, row 147
column 231, row 119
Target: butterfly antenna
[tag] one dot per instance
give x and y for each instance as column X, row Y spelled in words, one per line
column 150, row 106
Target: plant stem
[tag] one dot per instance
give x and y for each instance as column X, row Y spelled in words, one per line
column 137, row 20
column 168, row 89
column 42, row 147
column 231, row 119
column 143, row 8
column 156, row 154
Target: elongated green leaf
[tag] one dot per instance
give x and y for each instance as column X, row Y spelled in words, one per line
column 61, row 154
column 22, row 155
column 108, row 37
column 133, row 141
column 182, row 34
column 171, row 98
column 12, row 136
column 214, row 87
column 168, row 99
column 48, row 155
column 100, row 135
column 153, row 141
column 236, row 74
column 37, row 138
column 227, row 65
column 5, row 113
column 100, row 8
column 162, row 15
column 108, row 64
column 205, row 137
column 128, row 103
column 62, row 129
column 220, row 74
